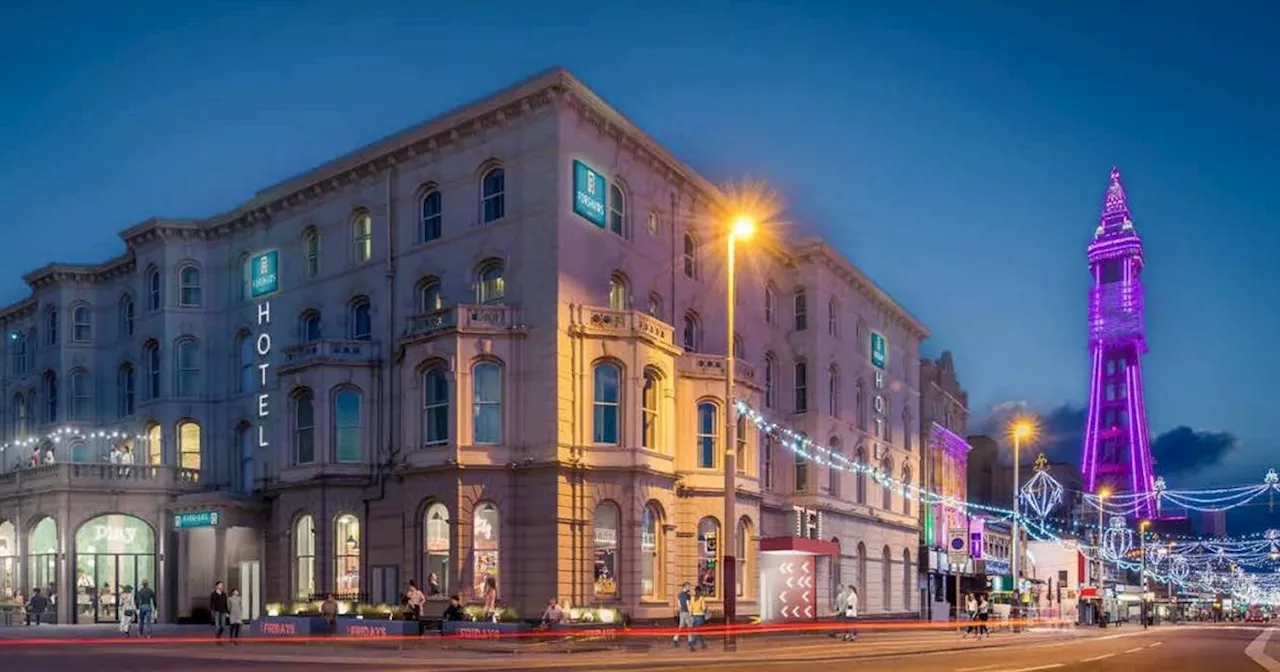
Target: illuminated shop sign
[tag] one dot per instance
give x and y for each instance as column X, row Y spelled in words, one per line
column 264, row 280
column 588, row 194
column 879, row 350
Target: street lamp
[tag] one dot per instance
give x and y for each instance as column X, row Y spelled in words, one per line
column 1142, row 548
column 1022, row 429
column 742, row 227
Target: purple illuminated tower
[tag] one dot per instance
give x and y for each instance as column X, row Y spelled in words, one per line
column 1117, row 446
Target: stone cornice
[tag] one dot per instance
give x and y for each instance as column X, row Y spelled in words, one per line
column 51, row 274
column 15, row 312
column 817, row 250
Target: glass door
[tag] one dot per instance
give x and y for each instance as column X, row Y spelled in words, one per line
column 107, row 576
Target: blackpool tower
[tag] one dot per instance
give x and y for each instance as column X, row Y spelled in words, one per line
column 1117, row 444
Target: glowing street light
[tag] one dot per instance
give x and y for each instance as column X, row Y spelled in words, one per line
column 1021, row 429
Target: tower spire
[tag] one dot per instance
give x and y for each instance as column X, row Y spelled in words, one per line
column 1115, row 205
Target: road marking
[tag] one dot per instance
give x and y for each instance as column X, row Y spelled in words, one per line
column 980, row 667
column 1152, row 646
column 1038, row 667
column 1135, row 649
column 1097, row 658
column 1257, row 650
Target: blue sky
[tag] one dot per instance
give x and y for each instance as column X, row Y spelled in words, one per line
column 959, row 157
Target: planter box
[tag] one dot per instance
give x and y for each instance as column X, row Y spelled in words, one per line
column 290, row 626
column 483, row 629
column 365, row 628
column 607, row 631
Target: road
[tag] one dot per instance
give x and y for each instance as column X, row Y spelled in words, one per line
column 1167, row 649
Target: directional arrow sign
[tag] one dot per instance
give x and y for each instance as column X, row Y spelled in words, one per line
column 808, row 612
column 791, row 582
column 785, row 568
column 783, row 611
column 782, row 597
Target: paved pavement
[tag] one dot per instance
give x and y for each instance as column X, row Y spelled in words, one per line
column 1169, row 648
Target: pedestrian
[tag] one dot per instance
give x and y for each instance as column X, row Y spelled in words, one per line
column 851, row 613
column 126, row 609
column 453, row 612
column 235, row 614
column 971, row 610
column 329, row 612
column 491, row 598
column 414, row 600
column 684, row 620
column 697, row 610
column 220, row 610
column 145, row 599
column 984, row 612
column 36, row 606
column 553, row 615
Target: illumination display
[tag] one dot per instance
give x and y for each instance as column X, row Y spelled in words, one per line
column 1041, row 493
column 1117, row 450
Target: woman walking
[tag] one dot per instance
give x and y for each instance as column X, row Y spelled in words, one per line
column 698, row 610
column 126, row 608
column 235, row 608
column 984, row 611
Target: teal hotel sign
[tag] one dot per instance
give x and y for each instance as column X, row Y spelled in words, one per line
column 264, row 273
column 589, row 194
column 879, row 350
column 193, row 519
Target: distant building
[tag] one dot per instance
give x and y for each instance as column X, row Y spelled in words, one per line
column 944, row 420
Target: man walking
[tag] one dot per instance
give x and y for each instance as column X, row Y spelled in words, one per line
column 684, row 618
column 145, row 601
column 221, row 610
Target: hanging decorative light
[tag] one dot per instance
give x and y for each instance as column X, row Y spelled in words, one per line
column 1041, row 493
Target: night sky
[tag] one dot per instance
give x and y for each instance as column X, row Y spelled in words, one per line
column 958, row 157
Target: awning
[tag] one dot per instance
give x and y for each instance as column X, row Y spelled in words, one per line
column 1089, row 593
column 798, row 545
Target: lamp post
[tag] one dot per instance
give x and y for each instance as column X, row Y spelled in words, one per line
column 1142, row 546
column 1103, row 494
column 743, row 227
column 1021, row 430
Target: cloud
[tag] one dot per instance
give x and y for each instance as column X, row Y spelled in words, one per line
column 1178, row 451
column 1183, row 449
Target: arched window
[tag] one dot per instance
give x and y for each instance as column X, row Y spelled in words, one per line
column 429, row 297
column 833, row 471
column 886, row 475
column 802, row 386
column 742, row 546
column 770, row 304
column 617, row 210
column 708, row 429
column 606, row 403
column 81, row 396
column 860, row 400
column 21, row 416
column 485, row 543
column 906, row 579
column 304, row 426
column 833, row 318
column 50, row 396
column 360, row 324
column 906, row 428
column 310, row 328
column 245, row 359
column 81, row 453
column 189, row 289
column 362, row 236
column 311, row 252
column 833, row 391
column 607, row 520
column 766, row 460
column 651, row 556
column 886, row 577
column 432, row 217
column 81, row 324
column 126, row 316
column 18, row 351
column 8, row 559
column 436, row 544
column 154, row 285
column 189, row 450
column 346, row 542
column 655, row 305
column 906, row 492
column 246, row 474
column 42, row 550
column 51, row 325
column 801, row 304
column 690, row 256
column 155, row 445
column 862, row 571
column 740, row 444
column 709, row 555
column 770, row 379
column 486, row 378
column 801, row 473
column 649, row 409
column 187, row 355
column 126, row 390
column 619, row 292
column 493, row 195
column 435, row 405
column 692, row 332
column 347, row 428
column 860, row 479
column 491, row 282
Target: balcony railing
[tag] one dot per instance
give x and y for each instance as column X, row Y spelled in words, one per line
column 465, row 318
column 328, row 351
column 99, row 476
column 624, row 322
column 712, row 366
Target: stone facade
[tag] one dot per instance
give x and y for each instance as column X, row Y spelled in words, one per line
column 464, row 378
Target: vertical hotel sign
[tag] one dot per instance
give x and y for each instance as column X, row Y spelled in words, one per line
column 879, row 350
column 588, row 194
column 264, row 280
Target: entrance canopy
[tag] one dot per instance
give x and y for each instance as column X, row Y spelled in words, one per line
column 799, row 545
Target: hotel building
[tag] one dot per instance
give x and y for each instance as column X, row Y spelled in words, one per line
column 490, row 346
